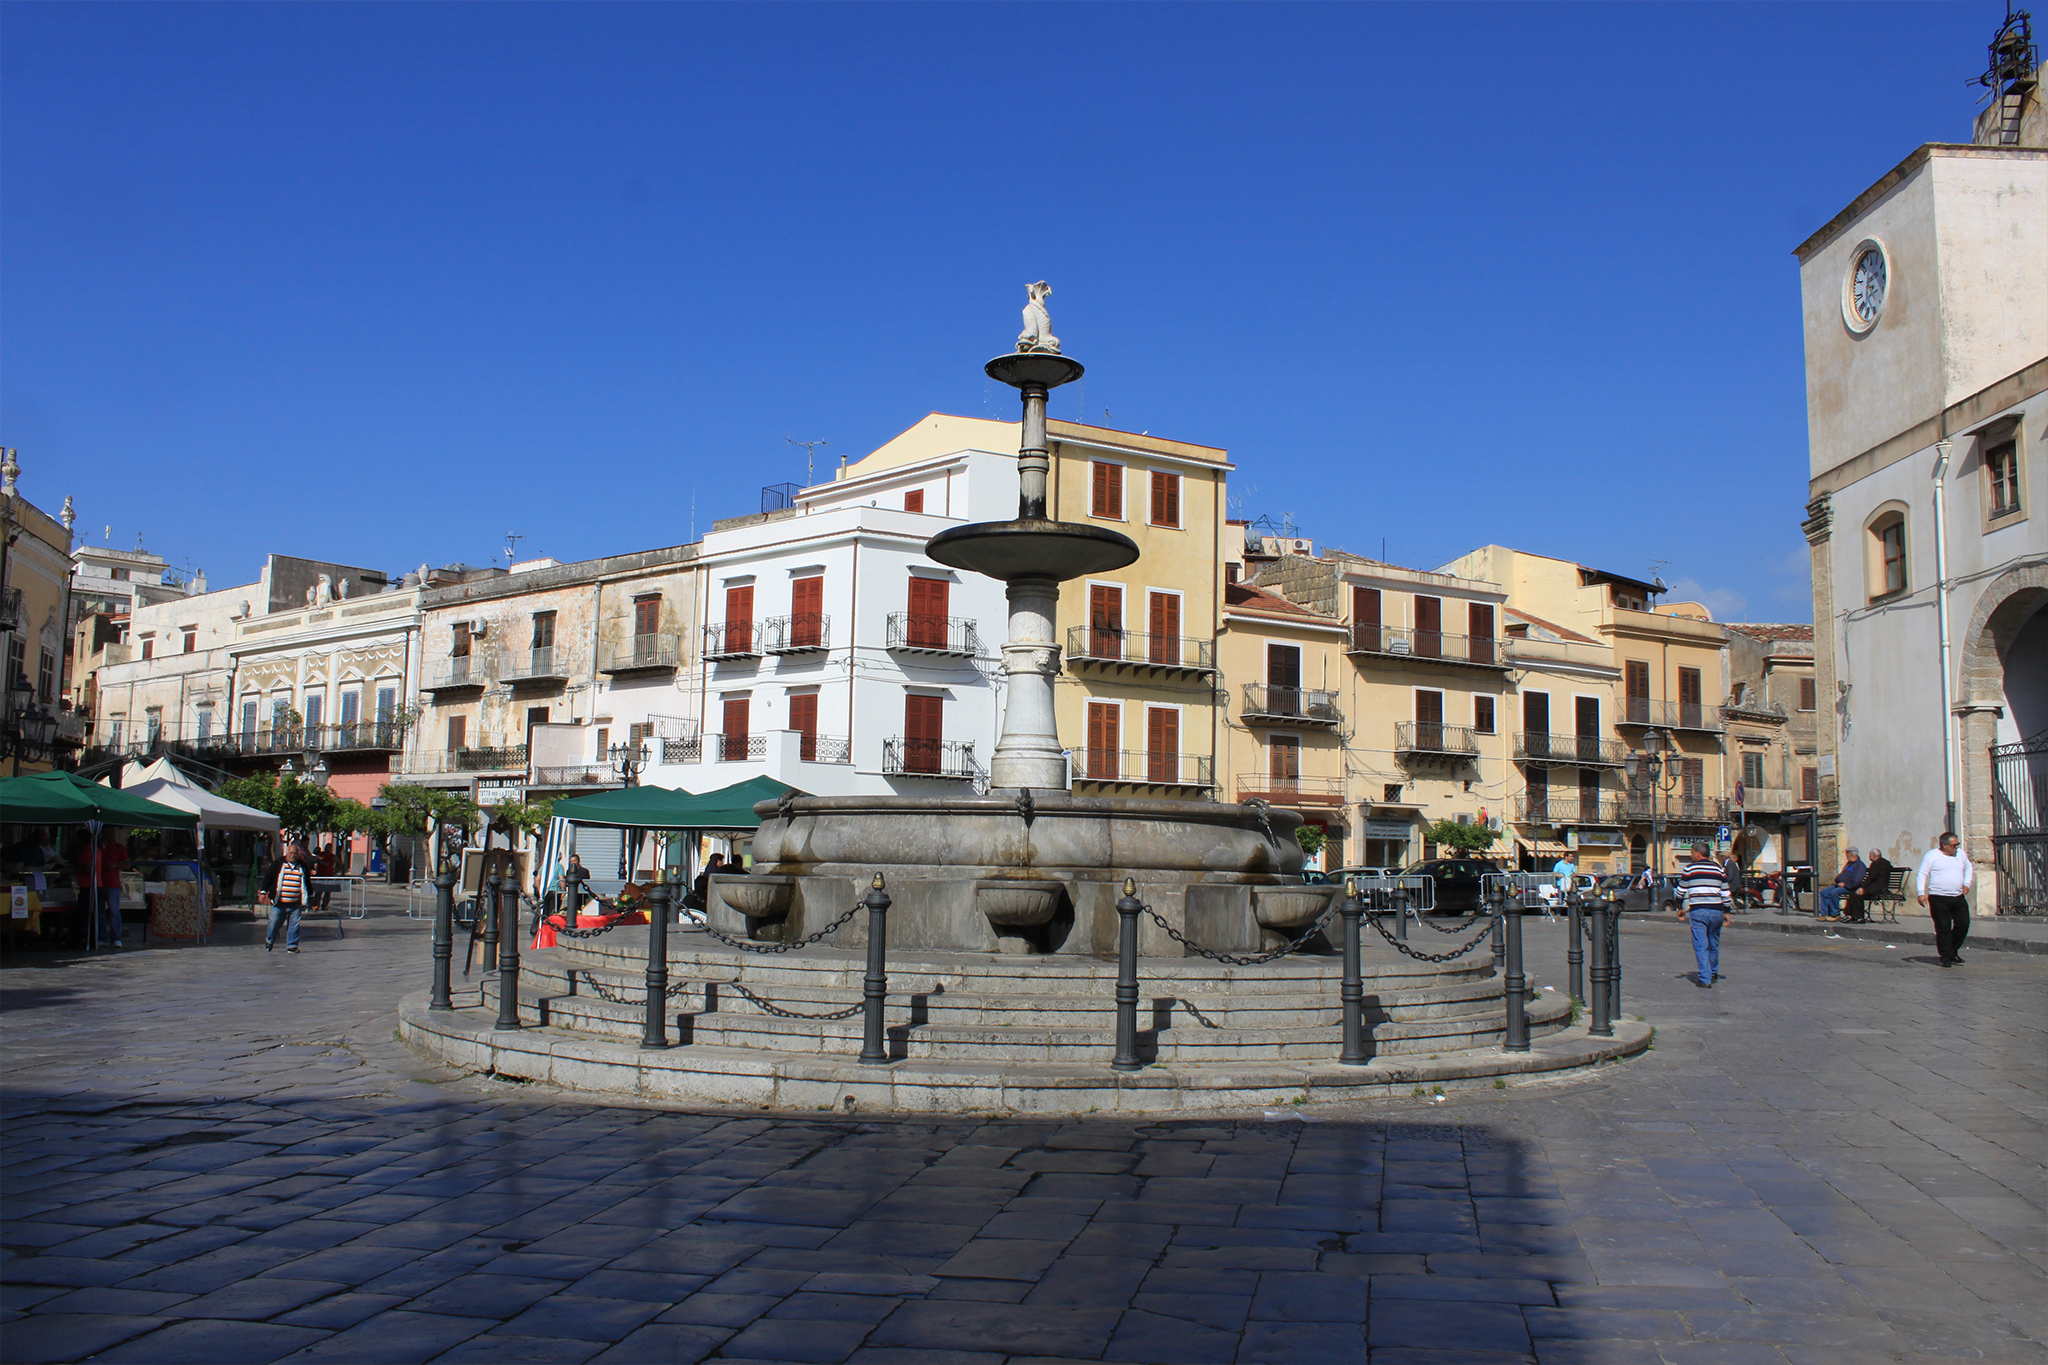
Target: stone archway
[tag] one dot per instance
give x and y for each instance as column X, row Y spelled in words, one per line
column 2005, row 609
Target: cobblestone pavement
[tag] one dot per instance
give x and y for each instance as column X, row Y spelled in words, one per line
column 1833, row 1158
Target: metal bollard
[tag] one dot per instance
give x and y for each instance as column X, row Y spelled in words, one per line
column 444, row 942
column 1352, row 994
column 1575, row 946
column 1602, row 1023
column 1401, row 913
column 654, row 1027
column 1614, row 961
column 1127, row 911
column 485, row 905
column 875, row 987
column 1514, row 985
column 1503, row 903
column 508, row 953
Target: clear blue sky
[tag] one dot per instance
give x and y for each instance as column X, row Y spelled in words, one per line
column 380, row 283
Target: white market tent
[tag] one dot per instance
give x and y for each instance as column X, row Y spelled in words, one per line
column 161, row 782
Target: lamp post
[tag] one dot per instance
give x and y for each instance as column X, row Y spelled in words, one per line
column 627, row 760
column 1646, row 775
column 29, row 727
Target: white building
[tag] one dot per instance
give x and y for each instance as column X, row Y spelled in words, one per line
column 1926, row 324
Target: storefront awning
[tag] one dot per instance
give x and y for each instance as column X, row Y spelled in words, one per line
column 1543, row 848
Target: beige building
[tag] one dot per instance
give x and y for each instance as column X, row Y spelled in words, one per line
column 1772, row 714
column 34, row 621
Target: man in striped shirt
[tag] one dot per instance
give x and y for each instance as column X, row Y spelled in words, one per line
column 290, row 884
column 1704, row 885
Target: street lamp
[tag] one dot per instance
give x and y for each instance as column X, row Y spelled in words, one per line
column 319, row 777
column 1646, row 775
column 627, row 760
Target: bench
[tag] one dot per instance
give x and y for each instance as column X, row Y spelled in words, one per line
column 1884, row 905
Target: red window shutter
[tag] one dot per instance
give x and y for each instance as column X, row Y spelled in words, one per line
column 1165, row 499
column 1162, row 744
column 929, row 600
column 803, row 718
column 923, row 732
column 458, row 732
column 807, row 611
column 913, row 501
column 1108, row 491
column 1105, row 621
column 739, row 619
column 735, row 746
column 1163, row 617
column 647, row 616
column 1365, row 619
column 1429, row 627
column 1284, row 759
column 1103, row 724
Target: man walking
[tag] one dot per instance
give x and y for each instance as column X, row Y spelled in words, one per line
column 1705, row 888
column 1847, row 880
column 1944, row 881
column 290, row 884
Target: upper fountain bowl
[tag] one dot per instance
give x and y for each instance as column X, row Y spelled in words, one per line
column 1032, row 547
column 1049, row 369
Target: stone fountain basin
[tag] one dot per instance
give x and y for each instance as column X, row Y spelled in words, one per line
column 1018, row 904
column 1290, row 907
column 757, row 897
column 1032, row 547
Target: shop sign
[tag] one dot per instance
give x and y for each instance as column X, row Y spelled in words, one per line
column 497, row 793
column 1388, row 829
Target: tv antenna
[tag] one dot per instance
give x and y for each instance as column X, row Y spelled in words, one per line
column 810, row 456
column 511, row 547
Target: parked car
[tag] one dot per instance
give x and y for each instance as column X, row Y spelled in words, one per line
column 1457, row 881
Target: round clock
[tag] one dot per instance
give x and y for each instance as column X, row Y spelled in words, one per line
column 1865, row 286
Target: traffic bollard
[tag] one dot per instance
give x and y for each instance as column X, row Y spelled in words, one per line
column 1353, row 991
column 1575, row 946
column 508, row 952
column 1601, row 1023
column 1514, row 984
column 654, row 1026
column 438, row 997
column 486, row 905
column 1127, row 910
column 875, row 986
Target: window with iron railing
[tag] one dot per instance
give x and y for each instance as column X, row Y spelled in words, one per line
column 1104, row 644
column 933, row 634
column 1290, row 704
column 918, row 757
column 1434, row 737
column 796, row 634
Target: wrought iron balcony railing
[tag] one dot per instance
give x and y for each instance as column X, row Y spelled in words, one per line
column 545, row 665
column 1434, row 646
column 483, row 759
column 642, row 654
column 368, row 735
column 736, row 748
column 1291, row 790
column 824, row 749
column 902, row 757
column 1138, row 767
column 1672, row 715
column 732, row 640
column 690, row 750
column 10, row 609
column 578, row 775
column 1565, row 807
column 919, row 634
column 1641, row 808
column 1584, row 751
column 1289, row 706
column 1429, row 737
column 1140, row 649
column 799, row 634
column 462, row 671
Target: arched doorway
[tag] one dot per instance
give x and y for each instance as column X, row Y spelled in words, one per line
column 2002, row 725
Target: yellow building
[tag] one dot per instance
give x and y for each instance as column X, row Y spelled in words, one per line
column 34, row 602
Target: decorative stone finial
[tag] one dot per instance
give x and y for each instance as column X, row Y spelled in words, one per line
column 10, row 471
column 1037, row 334
column 69, row 516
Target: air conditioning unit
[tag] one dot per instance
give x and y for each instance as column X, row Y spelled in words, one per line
column 479, row 629
column 1300, row 547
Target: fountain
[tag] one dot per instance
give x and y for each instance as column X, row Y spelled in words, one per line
column 1030, row 869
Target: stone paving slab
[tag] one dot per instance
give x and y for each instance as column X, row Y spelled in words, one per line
column 1835, row 1156
column 1996, row 933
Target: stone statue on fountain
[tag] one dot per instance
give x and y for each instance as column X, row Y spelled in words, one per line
column 1037, row 334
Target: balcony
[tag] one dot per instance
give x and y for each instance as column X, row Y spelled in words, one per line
column 954, row 635
column 1429, row 739
column 643, row 654
column 1130, row 651
column 732, row 640
column 1583, row 751
column 1771, row 800
column 538, row 668
column 1671, row 715
column 809, row 633
column 1138, row 768
column 577, row 775
column 463, row 673
column 261, row 742
column 1292, row 792
column 481, row 760
column 1267, row 705
column 1640, row 809
column 736, row 748
column 10, row 609
column 824, row 749
column 1429, row 646
column 370, row 736
column 948, row 758
column 1569, row 808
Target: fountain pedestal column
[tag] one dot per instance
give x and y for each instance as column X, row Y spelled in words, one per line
column 1028, row 753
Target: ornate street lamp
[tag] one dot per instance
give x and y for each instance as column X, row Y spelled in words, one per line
column 1646, row 775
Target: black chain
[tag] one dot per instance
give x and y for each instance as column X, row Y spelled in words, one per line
column 1451, row 956
column 743, row 992
column 749, row 946
column 1457, row 928
column 606, row 993
column 1250, row 961
column 565, row 932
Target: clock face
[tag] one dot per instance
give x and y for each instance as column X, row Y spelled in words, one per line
column 1866, row 285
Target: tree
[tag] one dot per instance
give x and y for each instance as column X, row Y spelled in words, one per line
column 1310, row 837
column 528, row 817
column 299, row 806
column 1462, row 838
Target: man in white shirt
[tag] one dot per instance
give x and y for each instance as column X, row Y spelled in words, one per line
column 1945, row 877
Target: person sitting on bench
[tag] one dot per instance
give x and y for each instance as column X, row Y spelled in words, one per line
column 1877, row 877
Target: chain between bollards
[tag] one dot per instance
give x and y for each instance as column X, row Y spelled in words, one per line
column 654, row 1028
column 1353, row 990
column 1599, row 976
column 1127, row 911
column 444, row 941
column 506, row 890
column 875, row 986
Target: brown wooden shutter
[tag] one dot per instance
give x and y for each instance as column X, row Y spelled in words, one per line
column 1162, row 744
column 739, row 619
column 1479, row 623
column 807, row 612
column 803, row 718
column 1808, row 694
column 1107, row 489
column 1163, row 618
column 1105, row 621
column 1103, row 726
column 1636, row 687
column 1283, row 758
column 1365, row 619
column 1429, row 627
column 924, row 731
column 735, row 745
column 458, row 732
column 1165, row 499
column 929, row 600
column 646, row 615
column 1809, row 784
column 913, row 501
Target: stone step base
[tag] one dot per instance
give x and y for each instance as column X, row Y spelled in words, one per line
column 754, row 1078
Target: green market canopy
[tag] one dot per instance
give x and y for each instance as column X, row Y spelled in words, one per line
column 61, row 798
column 666, row 808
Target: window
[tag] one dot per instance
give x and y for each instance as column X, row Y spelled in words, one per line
column 191, row 639
column 458, row 733
column 280, row 714
column 1429, row 719
column 1885, row 551
column 1390, row 792
column 1479, row 624
column 315, row 707
column 46, row 677
column 647, row 615
column 1537, row 794
column 1106, row 491
column 1429, row 627
column 1809, row 784
column 1753, row 770
column 739, row 619
column 803, row 718
column 154, row 719
column 535, row 715
column 1283, row 762
column 1807, row 694
column 249, row 717
column 114, row 731
column 639, row 734
column 1105, row 720
column 1589, row 796
column 1165, row 499
column 604, row 742
column 2002, row 472
column 17, row 660
column 737, row 718
column 1690, row 711
column 543, row 630
column 924, row 732
column 351, row 707
column 1365, row 619
column 1536, row 713
column 148, row 647
column 913, row 501
column 1162, row 619
column 203, row 721
column 1105, row 621
column 1162, row 744
column 1230, row 572
column 387, row 714
column 807, row 612
column 1636, row 686
column 1482, row 715
column 458, row 647
column 930, row 600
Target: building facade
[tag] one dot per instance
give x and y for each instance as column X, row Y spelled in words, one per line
column 35, row 592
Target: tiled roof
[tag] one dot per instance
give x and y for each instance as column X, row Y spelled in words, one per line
column 1771, row 632
column 1245, row 597
column 1561, row 632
